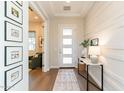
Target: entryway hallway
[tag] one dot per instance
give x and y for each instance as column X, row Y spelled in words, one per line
column 46, row 42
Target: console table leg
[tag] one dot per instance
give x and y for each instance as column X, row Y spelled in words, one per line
column 87, row 78
column 102, row 77
column 78, row 66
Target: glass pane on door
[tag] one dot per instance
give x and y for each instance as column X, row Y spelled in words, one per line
column 67, row 41
column 67, row 50
column 67, row 46
column 67, row 60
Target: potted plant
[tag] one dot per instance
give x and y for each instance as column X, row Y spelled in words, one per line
column 85, row 44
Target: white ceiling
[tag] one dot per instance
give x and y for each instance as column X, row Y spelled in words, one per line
column 55, row 8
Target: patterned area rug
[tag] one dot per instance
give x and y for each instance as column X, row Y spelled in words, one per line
column 66, row 81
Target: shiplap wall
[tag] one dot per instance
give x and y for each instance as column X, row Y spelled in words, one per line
column 106, row 21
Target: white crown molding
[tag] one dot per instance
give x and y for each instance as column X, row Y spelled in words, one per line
column 63, row 14
column 42, row 10
column 39, row 10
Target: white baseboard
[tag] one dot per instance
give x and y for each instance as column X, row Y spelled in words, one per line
column 58, row 67
column 45, row 69
column 54, row 67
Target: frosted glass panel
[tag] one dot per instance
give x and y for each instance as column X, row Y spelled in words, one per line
column 67, row 31
column 67, row 46
column 67, row 41
column 67, row 50
column 67, row 60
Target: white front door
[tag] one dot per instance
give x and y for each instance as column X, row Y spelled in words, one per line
column 66, row 46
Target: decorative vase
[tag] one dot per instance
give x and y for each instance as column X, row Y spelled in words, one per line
column 84, row 52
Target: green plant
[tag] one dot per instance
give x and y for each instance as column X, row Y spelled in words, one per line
column 85, row 43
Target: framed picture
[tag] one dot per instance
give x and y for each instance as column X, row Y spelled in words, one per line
column 13, row 54
column 40, row 41
column 13, row 32
column 13, row 76
column 95, row 42
column 20, row 3
column 13, row 12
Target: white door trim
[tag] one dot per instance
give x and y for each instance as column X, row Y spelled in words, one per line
column 45, row 59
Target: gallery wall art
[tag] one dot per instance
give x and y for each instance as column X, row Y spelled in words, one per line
column 13, row 48
column 13, row 32
column 13, row 76
column 95, row 42
column 41, row 41
column 13, row 54
column 13, row 12
column 20, row 3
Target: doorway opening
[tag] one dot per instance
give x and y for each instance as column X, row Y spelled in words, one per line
column 36, row 38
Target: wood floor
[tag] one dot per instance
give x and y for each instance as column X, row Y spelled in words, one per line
column 44, row 81
column 41, row 81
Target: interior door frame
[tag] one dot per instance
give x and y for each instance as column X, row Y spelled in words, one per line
column 60, row 29
column 45, row 55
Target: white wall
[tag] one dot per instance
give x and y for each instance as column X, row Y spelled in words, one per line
column 54, row 33
column 106, row 22
column 23, row 84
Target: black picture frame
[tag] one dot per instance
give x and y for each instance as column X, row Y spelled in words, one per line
column 6, row 31
column 94, row 42
column 6, row 88
column 6, row 57
column 19, row 3
column 8, row 16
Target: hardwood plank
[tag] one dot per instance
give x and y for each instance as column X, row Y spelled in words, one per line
column 82, row 82
column 44, row 81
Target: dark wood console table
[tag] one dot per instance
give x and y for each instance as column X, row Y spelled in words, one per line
column 88, row 63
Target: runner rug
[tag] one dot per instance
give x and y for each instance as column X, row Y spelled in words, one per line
column 66, row 81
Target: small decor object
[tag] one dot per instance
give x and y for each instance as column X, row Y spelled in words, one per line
column 94, row 52
column 13, row 76
column 85, row 44
column 13, row 12
column 40, row 41
column 95, row 42
column 13, row 54
column 13, row 32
